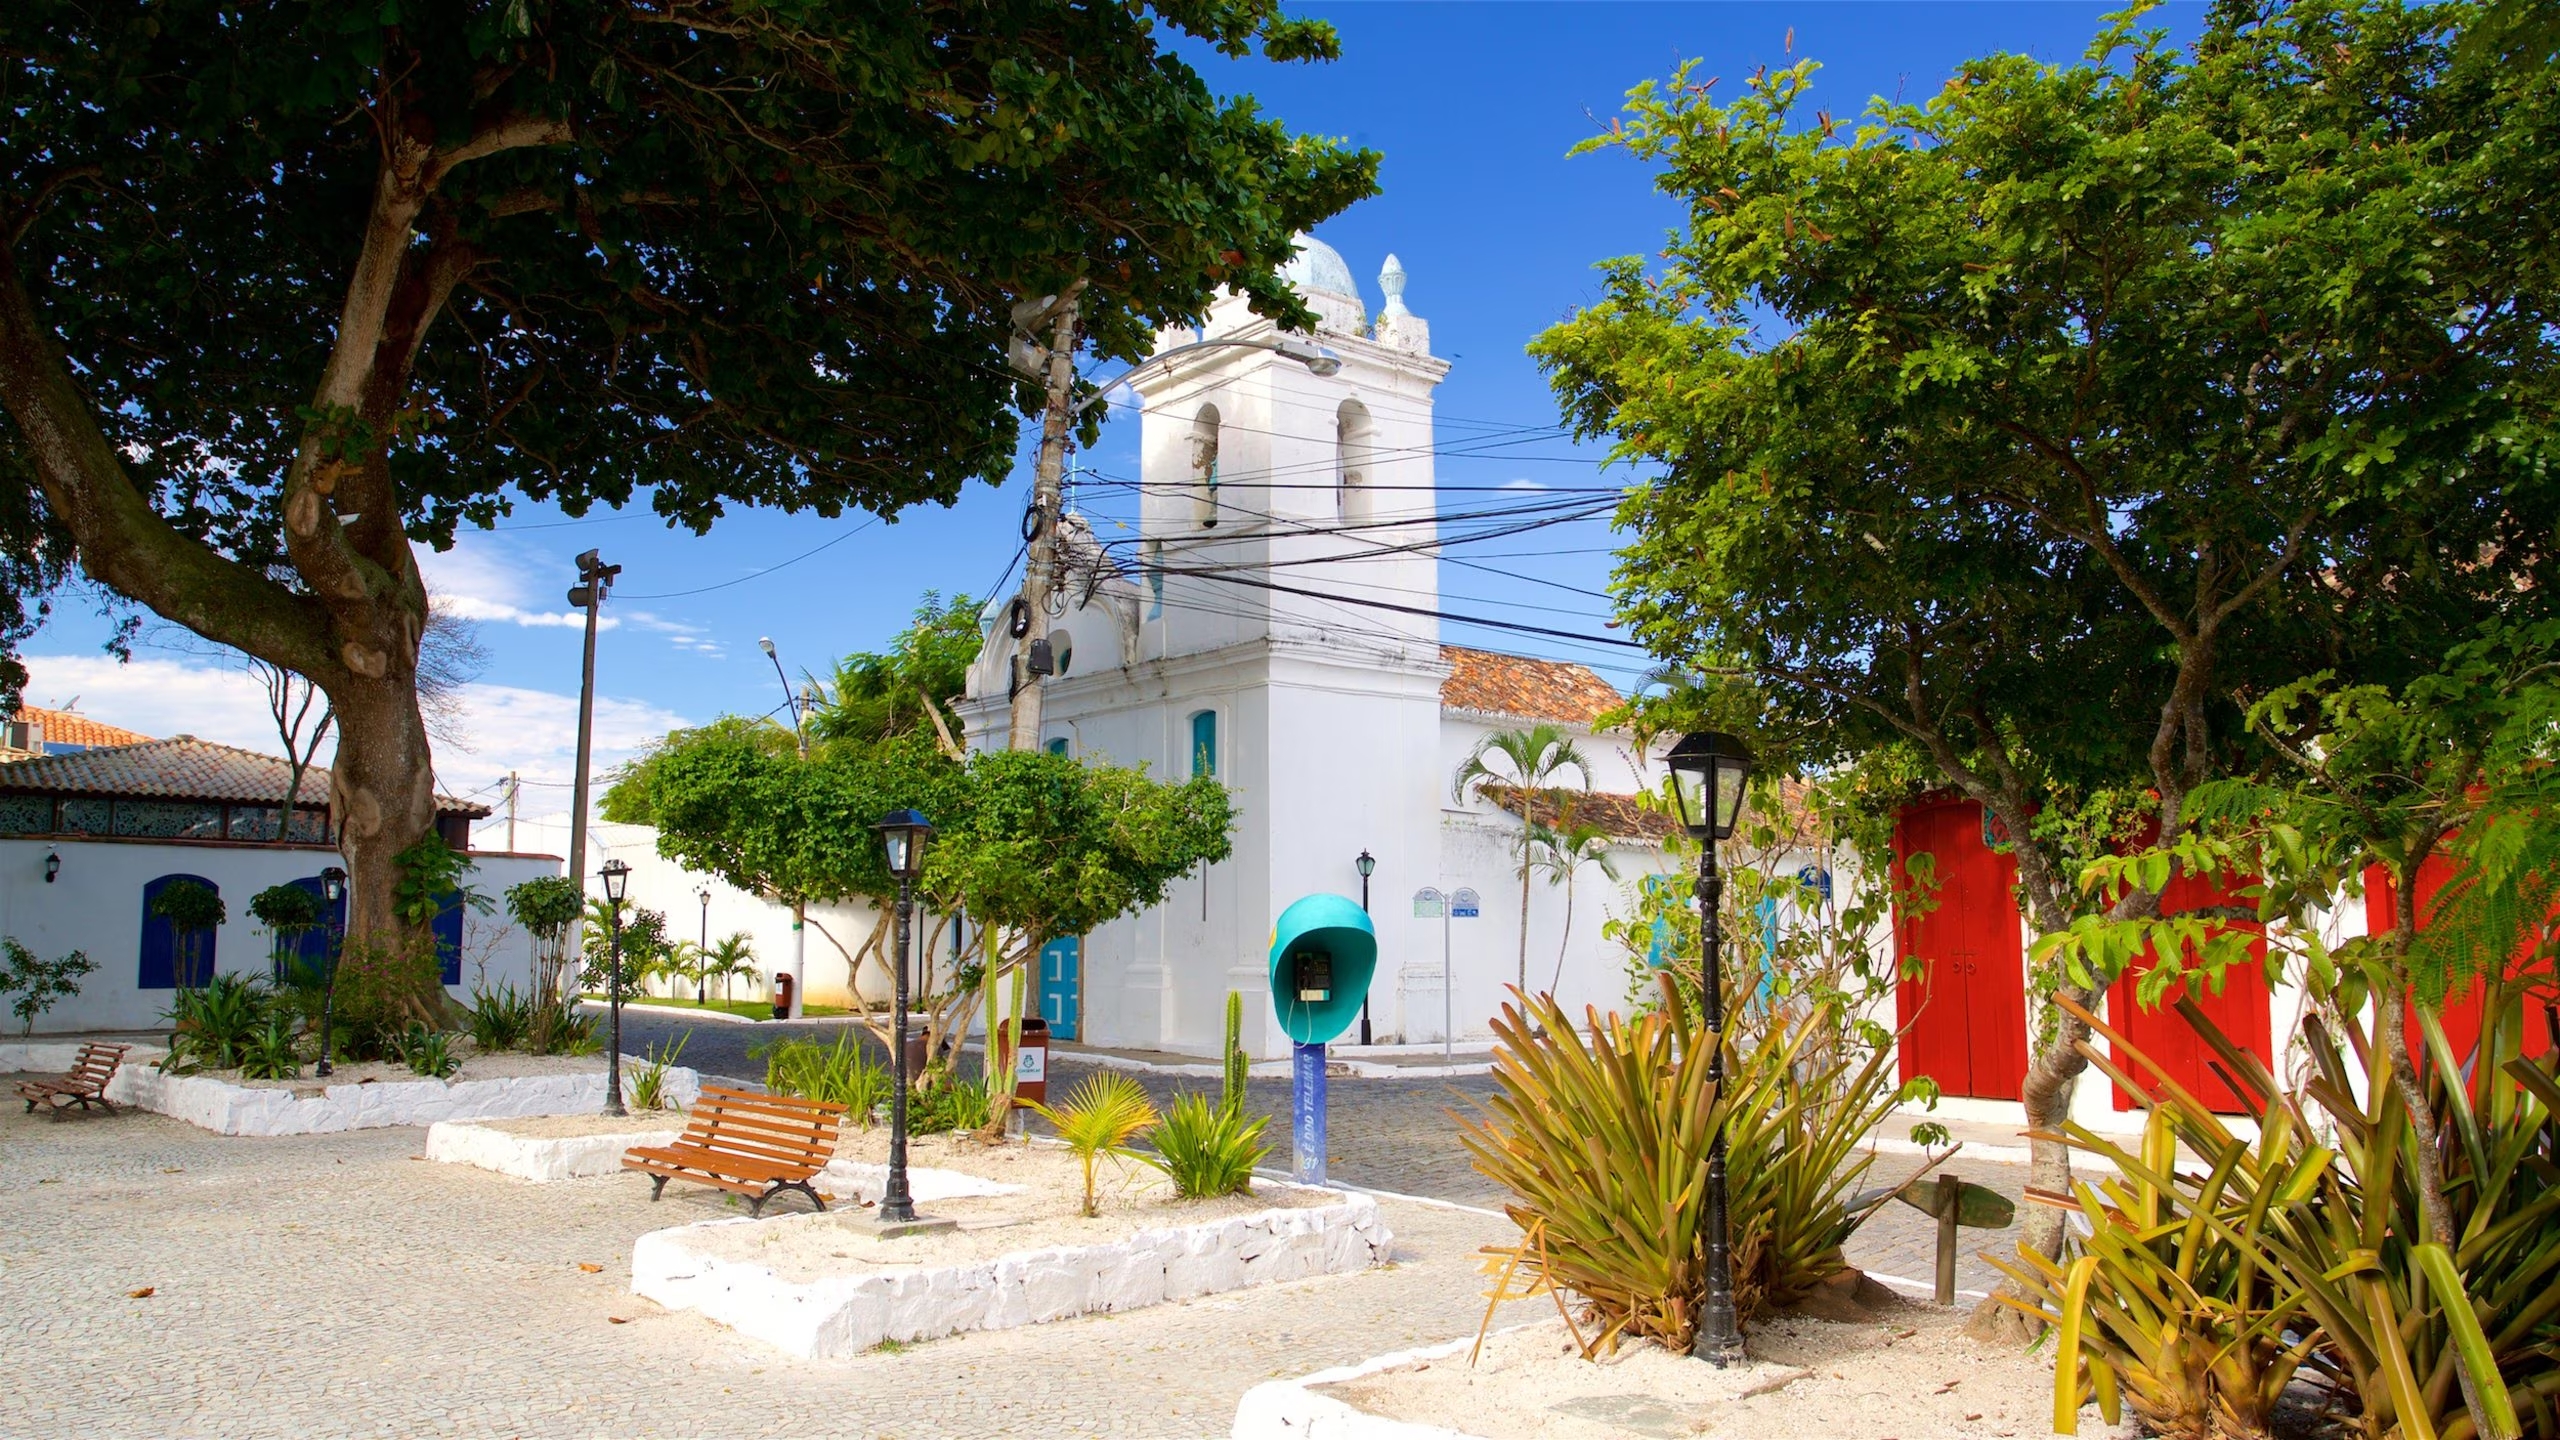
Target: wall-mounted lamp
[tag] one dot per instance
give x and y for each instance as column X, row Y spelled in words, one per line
column 52, row 865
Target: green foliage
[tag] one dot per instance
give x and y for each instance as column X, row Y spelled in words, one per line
column 378, row 989
column 838, row 1074
column 730, row 956
column 287, row 910
column 1523, row 767
column 428, row 1052
column 646, row 946
column 884, row 696
column 499, row 1019
column 649, row 1078
column 546, row 905
column 1234, row 1064
column 1099, row 1117
column 270, row 1053
column 2220, row 1270
column 943, row 1100
column 1208, row 1150
column 431, row 875
column 560, row 1028
column 39, row 984
column 212, row 1023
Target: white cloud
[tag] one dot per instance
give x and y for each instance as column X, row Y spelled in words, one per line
column 158, row 697
column 679, row 634
column 1523, row 483
column 481, row 578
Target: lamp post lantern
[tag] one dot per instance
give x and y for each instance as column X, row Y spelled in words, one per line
column 903, row 834
column 1709, row 771
column 333, row 888
column 702, row 950
column 617, row 882
column 1367, row 865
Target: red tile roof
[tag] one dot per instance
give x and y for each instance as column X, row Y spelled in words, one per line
column 1491, row 683
column 70, row 727
column 180, row 768
column 1620, row 816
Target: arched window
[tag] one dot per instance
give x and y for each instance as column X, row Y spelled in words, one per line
column 1058, row 746
column 1351, row 446
column 1204, row 467
column 163, row 948
column 1204, row 743
column 311, row 949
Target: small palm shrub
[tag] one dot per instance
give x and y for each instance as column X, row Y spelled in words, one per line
column 269, row 1053
column 1208, row 1150
column 649, row 1081
column 499, row 1019
column 1099, row 1117
column 428, row 1052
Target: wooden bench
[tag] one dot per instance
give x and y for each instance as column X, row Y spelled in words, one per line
column 85, row 1086
column 754, row 1145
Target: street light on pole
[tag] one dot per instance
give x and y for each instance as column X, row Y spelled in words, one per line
column 799, row 907
column 617, row 883
column 903, row 834
column 1053, row 364
column 333, row 889
column 1709, row 771
column 1367, row 865
column 595, row 581
column 702, row 949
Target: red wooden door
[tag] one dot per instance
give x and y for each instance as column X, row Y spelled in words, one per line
column 1964, row 1020
column 2461, row 1014
column 2239, row 1011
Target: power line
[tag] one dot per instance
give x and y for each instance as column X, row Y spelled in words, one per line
column 760, row 574
column 1432, row 613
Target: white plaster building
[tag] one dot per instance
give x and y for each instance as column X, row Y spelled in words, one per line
column 1223, row 641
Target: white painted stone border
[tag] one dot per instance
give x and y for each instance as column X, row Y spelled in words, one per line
column 228, row 1109
column 1291, row 1410
column 846, row 1315
column 544, row 1159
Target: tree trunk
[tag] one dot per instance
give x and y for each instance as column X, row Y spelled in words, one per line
column 382, row 796
column 1524, row 916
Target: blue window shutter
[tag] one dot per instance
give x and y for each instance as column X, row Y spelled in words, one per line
column 1204, row 743
column 159, row 969
column 1058, row 746
column 448, row 932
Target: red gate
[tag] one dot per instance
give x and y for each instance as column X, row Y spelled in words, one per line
column 2461, row 1014
column 2239, row 1010
column 1964, row 1021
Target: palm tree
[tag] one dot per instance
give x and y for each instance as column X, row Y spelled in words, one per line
column 1532, row 760
column 735, row 955
column 1564, row 848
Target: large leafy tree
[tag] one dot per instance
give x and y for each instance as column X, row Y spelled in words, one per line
column 286, row 288
column 2014, row 436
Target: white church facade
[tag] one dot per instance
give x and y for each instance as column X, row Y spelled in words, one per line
column 1231, row 640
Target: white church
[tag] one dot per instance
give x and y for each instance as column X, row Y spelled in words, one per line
column 1273, row 496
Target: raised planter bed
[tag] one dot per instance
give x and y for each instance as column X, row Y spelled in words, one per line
column 579, row 1147
column 822, row 1286
column 356, row 1102
column 1913, row 1377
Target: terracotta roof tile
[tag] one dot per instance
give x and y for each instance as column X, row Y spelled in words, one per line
column 69, row 727
column 1491, row 683
column 1620, row 816
column 180, row 768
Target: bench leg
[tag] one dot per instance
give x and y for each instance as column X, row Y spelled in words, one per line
column 657, row 1187
column 755, row 1207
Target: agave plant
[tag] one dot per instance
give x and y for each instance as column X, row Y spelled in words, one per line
column 1100, row 1117
column 1209, row 1149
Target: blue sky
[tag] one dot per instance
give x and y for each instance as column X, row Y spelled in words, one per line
column 1473, row 107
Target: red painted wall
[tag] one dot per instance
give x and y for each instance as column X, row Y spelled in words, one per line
column 1964, row 1022
column 2239, row 1011
column 2462, row 1008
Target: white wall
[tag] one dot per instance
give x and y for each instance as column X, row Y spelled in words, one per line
column 662, row 884
column 95, row 906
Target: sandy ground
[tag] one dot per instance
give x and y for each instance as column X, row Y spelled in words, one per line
column 637, row 1124
column 1040, row 1214
column 503, row 1066
column 1915, row 1377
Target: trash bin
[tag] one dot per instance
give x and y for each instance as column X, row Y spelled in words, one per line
column 1031, row 1064
column 781, row 995
column 917, row 1057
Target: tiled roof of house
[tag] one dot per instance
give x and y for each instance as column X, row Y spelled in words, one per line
column 179, row 768
column 1619, row 816
column 70, row 727
column 1491, row 683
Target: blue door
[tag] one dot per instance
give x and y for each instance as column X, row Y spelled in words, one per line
column 312, row 948
column 1061, row 985
column 448, row 933
column 159, row 969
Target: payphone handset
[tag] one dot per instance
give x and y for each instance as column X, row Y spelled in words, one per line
column 1312, row 976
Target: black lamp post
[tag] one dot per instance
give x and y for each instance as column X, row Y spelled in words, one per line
column 333, row 889
column 1708, row 773
column 1367, row 865
column 903, row 834
column 617, row 880
column 702, row 950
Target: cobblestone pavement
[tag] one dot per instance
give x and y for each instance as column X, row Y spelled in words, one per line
column 1397, row 1135
column 338, row 1285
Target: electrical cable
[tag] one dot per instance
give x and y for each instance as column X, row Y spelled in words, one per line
column 760, row 574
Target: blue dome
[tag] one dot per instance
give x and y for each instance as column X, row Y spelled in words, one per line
column 1318, row 267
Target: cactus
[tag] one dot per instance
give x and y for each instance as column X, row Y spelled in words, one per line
column 1233, row 1098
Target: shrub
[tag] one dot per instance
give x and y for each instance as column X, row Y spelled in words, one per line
column 428, row 1052
column 1100, row 1117
column 269, row 1053
column 38, row 984
column 942, row 1101
column 499, row 1019
column 560, row 1028
column 841, row 1074
column 376, row 984
column 1208, row 1150
column 211, row 1024
column 649, row 1081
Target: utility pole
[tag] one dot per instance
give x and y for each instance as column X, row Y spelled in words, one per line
column 514, row 786
column 799, row 907
column 1056, row 367
column 595, row 578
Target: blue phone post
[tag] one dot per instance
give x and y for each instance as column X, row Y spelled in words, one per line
column 1323, row 951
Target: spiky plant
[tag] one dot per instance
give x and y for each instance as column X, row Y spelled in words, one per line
column 1100, row 1117
column 1231, row 1095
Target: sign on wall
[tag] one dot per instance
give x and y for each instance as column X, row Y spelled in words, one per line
column 1466, row 904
